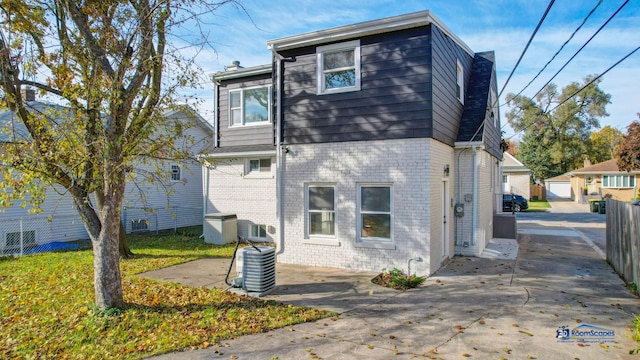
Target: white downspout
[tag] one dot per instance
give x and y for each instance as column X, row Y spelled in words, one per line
column 474, row 206
column 215, row 113
column 279, row 171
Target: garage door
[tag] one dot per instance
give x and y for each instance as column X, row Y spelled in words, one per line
column 559, row 190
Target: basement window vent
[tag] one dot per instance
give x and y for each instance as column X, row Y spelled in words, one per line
column 13, row 241
column 139, row 225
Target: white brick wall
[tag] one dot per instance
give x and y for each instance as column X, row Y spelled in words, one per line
column 252, row 199
column 488, row 182
column 414, row 167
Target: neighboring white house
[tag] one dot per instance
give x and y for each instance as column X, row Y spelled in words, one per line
column 516, row 178
column 147, row 207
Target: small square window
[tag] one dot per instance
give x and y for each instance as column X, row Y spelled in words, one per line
column 338, row 67
column 260, row 166
column 175, row 173
column 259, row 231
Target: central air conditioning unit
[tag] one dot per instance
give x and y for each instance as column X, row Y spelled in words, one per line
column 256, row 269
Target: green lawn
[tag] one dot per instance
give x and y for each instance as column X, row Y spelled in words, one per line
column 46, row 306
column 538, row 206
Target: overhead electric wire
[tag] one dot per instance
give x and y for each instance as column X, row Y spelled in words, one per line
column 527, row 46
column 584, row 21
column 582, row 47
column 578, row 91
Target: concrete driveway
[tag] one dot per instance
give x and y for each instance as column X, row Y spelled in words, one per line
column 472, row 308
column 570, row 216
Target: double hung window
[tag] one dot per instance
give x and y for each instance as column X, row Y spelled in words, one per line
column 375, row 212
column 321, row 211
column 338, row 67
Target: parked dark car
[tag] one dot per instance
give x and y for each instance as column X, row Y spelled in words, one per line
column 637, row 203
column 514, row 202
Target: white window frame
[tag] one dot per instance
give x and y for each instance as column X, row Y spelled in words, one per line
column 173, row 168
column 459, row 82
column 308, row 210
column 255, row 229
column 619, row 181
column 262, row 171
column 320, row 72
column 375, row 242
column 242, row 107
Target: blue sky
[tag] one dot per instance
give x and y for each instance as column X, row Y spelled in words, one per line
column 500, row 25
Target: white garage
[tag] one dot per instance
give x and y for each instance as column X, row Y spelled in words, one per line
column 558, row 187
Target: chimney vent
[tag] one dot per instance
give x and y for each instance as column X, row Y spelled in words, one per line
column 28, row 94
column 235, row 65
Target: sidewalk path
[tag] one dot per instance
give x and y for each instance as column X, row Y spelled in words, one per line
column 473, row 308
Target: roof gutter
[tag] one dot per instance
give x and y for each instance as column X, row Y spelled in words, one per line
column 389, row 24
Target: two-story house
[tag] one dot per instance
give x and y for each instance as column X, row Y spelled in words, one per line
column 362, row 147
column 172, row 201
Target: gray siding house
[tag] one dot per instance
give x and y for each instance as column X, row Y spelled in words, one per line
column 383, row 140
column 173, row 200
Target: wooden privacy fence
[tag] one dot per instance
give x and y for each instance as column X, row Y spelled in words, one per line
column 537, row 192
column 623, row 239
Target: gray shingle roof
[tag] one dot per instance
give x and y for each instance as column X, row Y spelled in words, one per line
column 475, row 105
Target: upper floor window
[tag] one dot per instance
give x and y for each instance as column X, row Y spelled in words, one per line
column 459, row 81
column 618, row 181
column 175, row 173
column 249, row 106
column 338, row 67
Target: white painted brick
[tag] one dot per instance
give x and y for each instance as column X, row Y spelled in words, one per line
column 253, row 200
column 408, row 164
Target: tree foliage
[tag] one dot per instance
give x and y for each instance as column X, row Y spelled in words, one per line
column 629, row 151
column 603, row 144
column 556, row 126
column 113, row 65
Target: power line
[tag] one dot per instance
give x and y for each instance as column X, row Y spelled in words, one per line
column 582, row 47
column 527, row 46
column 561, row 47
column 596, row 78
column 578, row 91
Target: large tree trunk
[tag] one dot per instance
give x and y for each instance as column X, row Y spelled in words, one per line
column 104, row 231
column 106, row 262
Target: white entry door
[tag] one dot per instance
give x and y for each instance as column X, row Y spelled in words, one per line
column 445, row 209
